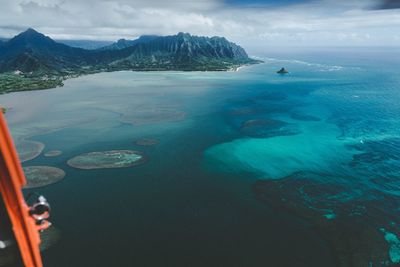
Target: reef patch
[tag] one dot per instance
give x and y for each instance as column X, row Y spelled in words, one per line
column 353, row 227
column 53, row 153
column 153, row 116
column 264, row 128
column 304, row 117
column 28, row 150
column 146, row 142
column 38, row 176
column 107, row 159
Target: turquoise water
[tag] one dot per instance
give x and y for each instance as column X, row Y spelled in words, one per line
column 251, row 169
column 314, row 149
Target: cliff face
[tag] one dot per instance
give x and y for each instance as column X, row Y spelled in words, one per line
column 184, row 45
column 123, row 43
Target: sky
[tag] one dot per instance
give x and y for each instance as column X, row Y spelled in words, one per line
column 250, row 23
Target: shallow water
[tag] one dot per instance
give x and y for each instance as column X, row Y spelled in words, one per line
column 326, row 135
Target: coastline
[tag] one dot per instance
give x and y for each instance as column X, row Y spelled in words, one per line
column 58, row 81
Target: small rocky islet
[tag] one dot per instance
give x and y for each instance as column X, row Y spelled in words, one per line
column 282, row 71
column 107, row 159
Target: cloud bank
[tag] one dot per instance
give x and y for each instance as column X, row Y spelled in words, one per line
column 254, row 24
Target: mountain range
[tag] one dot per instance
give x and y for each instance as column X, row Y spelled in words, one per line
column 123, row 43
column 85, row 44
column 34, row 53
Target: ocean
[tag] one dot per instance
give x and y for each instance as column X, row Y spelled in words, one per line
column 250, row 168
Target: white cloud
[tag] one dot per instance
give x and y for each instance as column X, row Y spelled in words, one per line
column 325, row 22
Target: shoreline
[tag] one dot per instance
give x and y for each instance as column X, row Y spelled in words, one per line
column 60, row 79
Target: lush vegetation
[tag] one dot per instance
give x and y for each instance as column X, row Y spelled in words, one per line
column 10, row 82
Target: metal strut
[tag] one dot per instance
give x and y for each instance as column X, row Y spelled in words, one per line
column 12, row 179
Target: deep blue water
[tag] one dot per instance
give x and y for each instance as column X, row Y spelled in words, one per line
column 262, row 169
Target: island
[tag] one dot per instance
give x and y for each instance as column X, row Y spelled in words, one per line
column 32, row 61
column 282, row 71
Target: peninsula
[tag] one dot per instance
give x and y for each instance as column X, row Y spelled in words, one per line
column 31, row 60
